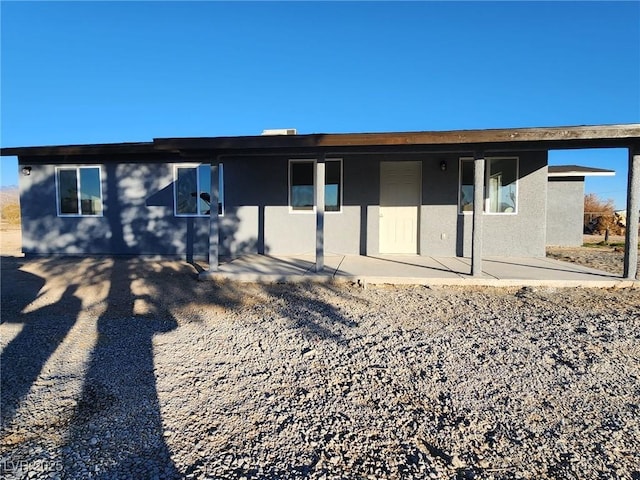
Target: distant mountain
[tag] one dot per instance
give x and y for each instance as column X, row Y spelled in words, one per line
column 9, row 194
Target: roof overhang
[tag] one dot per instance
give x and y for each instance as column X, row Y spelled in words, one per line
column 488, row 140
column 72, row 150
column 578, row 171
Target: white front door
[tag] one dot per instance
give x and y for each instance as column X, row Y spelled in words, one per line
column 399, row 206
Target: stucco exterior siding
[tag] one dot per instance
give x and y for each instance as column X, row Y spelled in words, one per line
column 262, row 186
column 438, row 213
column 442, row 231
column 521, row 234
column 138, row 211
column 137, row 216
column 565, row 210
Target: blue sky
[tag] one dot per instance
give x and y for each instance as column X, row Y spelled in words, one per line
column 101, row 72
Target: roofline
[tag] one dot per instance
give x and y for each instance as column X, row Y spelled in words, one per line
column 86, row 149
column 592, row 135
column 542, row 138
column 576, row 173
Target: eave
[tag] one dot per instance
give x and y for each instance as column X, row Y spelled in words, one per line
column 489, row 140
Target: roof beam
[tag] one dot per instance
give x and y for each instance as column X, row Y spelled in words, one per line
column 488, row 140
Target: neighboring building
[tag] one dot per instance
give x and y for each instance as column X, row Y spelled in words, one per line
column 565, row 203
column 360, row 194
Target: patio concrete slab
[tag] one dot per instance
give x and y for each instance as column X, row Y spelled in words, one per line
column 395, row 266
column 420, row 270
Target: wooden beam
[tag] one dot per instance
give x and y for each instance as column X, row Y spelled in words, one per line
column 94, row 149
column 594, row 136
column 602, row 135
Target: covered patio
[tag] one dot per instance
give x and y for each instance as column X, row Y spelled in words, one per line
column 401, row 207
column 414, row 270
column 475, row 267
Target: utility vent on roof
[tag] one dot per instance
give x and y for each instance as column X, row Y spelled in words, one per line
column 280, row 131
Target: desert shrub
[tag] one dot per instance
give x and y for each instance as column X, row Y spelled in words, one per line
column 10, row 213
column 599, row 216
column 594, row 204
column 601, row 224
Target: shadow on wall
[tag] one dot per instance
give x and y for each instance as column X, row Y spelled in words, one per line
column 138, row 218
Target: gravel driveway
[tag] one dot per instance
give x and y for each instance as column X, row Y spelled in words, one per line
column 134, row 369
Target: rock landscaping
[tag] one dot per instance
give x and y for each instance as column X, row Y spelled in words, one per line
column 133, row 369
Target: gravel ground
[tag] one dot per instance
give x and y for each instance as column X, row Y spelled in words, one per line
column 607, row 258
column 134, row 369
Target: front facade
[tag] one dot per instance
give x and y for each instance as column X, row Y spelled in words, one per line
column 465, row 193
column 374, row 204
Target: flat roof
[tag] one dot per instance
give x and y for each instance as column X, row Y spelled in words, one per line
column 578, row 171
column 538, row 138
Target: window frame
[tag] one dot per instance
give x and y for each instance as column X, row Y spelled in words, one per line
column 340, row 186
column 196, row 166
column 314, row 161
column 487, row 180
column 77, row 169
column 461, row 161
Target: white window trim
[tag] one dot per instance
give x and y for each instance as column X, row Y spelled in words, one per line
column 221, row 202
column 487, row 199
column 459, row 206
column 77, row 168
column 314, row 161
column 334, row 212
column 176, row 166
column 291, row 162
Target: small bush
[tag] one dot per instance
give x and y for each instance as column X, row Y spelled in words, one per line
column 10, row 214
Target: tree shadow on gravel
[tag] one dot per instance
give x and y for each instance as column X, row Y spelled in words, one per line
column 314, row 317
column 116, row 430
column 43, row 330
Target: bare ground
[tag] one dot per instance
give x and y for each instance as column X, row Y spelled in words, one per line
column 602, row 257
column 134, row 369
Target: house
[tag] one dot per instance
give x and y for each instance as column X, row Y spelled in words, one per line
column 565, row 203
column 437, row 193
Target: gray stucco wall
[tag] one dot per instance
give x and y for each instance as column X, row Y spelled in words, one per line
column 355, row 230
column 259, row 188
column 139, row 220
column 522, row 234
column 137, row 215
column 565, row 211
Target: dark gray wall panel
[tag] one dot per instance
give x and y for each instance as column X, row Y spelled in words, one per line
column 565, row 211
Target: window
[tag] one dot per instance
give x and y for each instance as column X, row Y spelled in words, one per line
column 502, row 178
column 501, row 187
column 79, row 191
column 192, row 187
column 465, row 194
column 302, row 181
column 333, row 186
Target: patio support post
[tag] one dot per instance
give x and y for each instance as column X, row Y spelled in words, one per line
column 478, row 204
column 319, row 201
column 633, row 207
column 214, row 226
